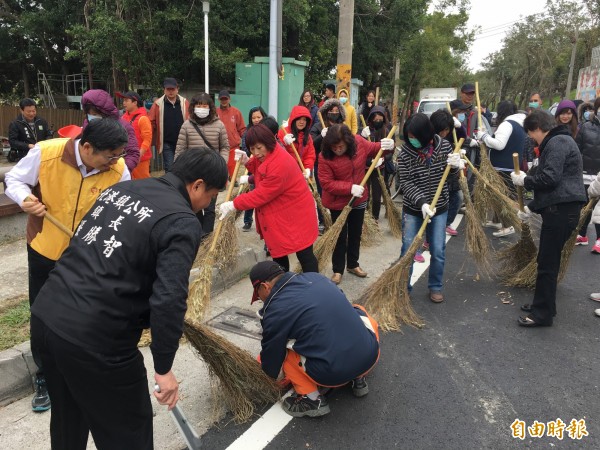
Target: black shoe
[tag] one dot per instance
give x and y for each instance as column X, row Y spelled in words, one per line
column 526, row 308
column 300, row 406
column 41, row 399
column 529, row 321
column 360, row 387
column 247, row 226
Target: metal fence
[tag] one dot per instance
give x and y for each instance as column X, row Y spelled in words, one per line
column 56, row 118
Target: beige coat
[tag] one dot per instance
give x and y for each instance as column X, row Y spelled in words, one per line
column 594, row 191
column 215, row 133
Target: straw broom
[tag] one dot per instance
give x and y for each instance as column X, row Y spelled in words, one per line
column 371, row 234
column 242, row 380
column 327, row 222
column 387, row 298
column 199, row 296
column 515, row 258
column 324, row 247
column 394, row 216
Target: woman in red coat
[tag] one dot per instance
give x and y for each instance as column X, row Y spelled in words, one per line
column 341, row 169
column 299, row 124
column 284, row 208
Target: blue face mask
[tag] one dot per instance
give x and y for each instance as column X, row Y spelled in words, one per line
column 343, row 100
column 92, row 117
column 586, row 115
column 534, row 105
column 415, row 142
column 461, row 117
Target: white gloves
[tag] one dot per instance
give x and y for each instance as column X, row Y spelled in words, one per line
column 244, row 179
column 324, row 131
column 241, row 154
column 284, row 124
column 518, row 180
column 366, row 132
column 357, row 190
column 480, row 134
column 529, row 165
column 457, row 123
column 288, row 139
column 379, row 163
column 224, row 209
column 473, row 143
column 427, row 211
column 525, row 215
column 455, row 161
column 387, row 144
column 462, row 152
column 307, row 173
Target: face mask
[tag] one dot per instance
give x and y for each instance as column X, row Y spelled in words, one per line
column 414, row 142
column 461, row 117
column 586, row 115
column 378, row 125
column 92, row 117
column 534, row 105
column 334, row 117
column 343, row 100
column 202, row 112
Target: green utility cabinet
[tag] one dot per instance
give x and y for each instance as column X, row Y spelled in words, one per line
column 252, row 86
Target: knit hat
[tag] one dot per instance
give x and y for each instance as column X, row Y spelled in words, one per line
column 565, row 104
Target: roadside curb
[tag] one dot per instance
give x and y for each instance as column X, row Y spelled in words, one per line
column 17, row 368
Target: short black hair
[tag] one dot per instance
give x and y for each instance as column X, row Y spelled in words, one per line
column 199, row 99
column 441, row 120
column 271, row 123
column 201, row 163
column 505, row 108
column 538, row 119
column 105, row 134
column 25, row 103
column 420, row 127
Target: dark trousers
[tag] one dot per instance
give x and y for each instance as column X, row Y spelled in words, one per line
column 207, row 217
column 105, row 394
column 308, row 260
column 39, row 269
column 347, row 249
column 248, row 213
column 455, row 200
column 558, row 222
column 375, row 195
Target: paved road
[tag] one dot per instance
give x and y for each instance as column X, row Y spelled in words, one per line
column 459, row 383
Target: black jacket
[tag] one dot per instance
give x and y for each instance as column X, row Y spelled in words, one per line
column 126, row 269
column 21, row 134
column 588, row 141
column 558, row 176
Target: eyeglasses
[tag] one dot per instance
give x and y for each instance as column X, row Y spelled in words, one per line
column 114, row 158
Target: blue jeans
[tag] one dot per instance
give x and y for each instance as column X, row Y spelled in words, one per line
column 436, row 237
column 168, row 154
column 456, row 199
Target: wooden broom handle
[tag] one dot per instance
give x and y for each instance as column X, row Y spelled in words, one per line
column 364, row 124
column 321, row 119
column 519, row 188
column 453, row 127
column 53, row 220
column 479, row 121
column 300, row 163
column 217, row 231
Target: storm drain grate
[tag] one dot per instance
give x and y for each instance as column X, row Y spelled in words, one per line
column 238, row 321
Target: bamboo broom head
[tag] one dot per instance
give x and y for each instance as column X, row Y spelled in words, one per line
column 393, row 214
column 243, row 382
column 200, row 288
column 371, row 234
column 327, row 222
column 325, row 245
column 516, row 258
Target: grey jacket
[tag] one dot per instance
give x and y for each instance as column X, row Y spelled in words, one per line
column 215, row 133
column 558, row 176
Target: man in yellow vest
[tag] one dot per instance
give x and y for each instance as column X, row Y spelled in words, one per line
column 63, row 177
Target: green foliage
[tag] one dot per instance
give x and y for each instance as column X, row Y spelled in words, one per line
column 14, row 323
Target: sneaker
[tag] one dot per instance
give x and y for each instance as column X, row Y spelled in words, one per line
column 595, row 296
column 360, row 388
column 247, row 226
column 300, row 406
column 490, row 224
column 504, row 232
column 451, row 231
column 597, row 312
column 41, row 399
column 581, row 240
column 419, row 258
column 462, row 209
column 596, row 247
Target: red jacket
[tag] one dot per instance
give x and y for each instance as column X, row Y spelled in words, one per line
column 306, row 152
column 284, row 208
column 234, row 124
column 143, row 131
column 337, row 175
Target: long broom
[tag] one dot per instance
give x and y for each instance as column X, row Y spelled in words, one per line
column 324, row 247
column 327, row 222
column 387, row 298
column 513, row 259
column 394, row 216
column 199, row 297
column 371, row 234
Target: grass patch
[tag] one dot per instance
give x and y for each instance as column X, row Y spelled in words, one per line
column 14, row 323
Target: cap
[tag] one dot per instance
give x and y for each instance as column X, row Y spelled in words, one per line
column 170, row 83
column 224, row 93
column 132, row 96
column 70, row 131
column 261, row 272
column 467, row 87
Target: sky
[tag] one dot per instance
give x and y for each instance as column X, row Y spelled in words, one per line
column 495, row 18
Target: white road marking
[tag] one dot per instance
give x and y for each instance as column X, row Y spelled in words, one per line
column 265, row 429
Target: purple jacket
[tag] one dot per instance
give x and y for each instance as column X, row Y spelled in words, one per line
column 103, row 102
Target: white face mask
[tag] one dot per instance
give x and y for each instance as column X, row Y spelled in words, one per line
column 343, row 100
column 202, row 112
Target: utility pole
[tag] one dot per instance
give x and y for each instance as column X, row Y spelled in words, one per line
column 396, row 89
column 572, row 64
column 206, row 10
column 273, row 56
column 344, row 52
